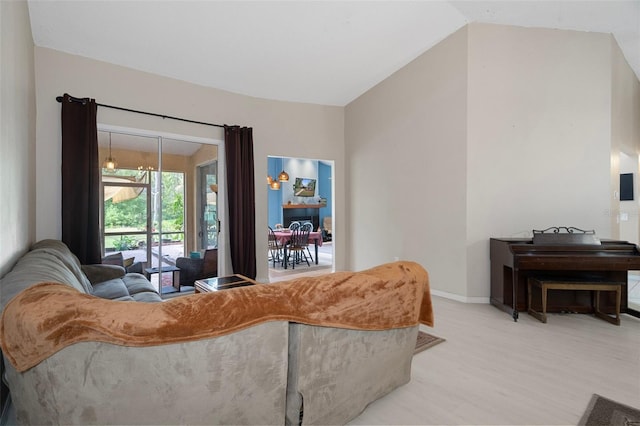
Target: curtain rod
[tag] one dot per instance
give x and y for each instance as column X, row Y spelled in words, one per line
column 81, row 100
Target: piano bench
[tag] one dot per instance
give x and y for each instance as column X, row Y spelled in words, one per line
column 557, row 284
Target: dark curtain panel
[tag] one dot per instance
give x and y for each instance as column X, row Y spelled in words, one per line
column 80, row 179
column 238, row 145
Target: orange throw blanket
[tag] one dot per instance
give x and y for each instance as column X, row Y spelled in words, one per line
column 47, row 317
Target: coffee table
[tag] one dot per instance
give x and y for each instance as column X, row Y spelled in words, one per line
column 209, row 285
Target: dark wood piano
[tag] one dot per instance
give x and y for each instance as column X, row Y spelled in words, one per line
column 513, row 260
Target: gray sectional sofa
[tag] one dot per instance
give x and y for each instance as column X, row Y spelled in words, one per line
column 309, row 351
column 52, row 261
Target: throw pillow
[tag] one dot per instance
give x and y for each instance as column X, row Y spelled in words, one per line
column 113, row 259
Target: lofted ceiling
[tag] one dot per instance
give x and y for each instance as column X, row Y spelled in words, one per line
column 321, row 52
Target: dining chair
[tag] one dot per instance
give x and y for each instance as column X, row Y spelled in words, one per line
column 297, row 244
column 307, row 227
column 275, row 250
column 294, row 225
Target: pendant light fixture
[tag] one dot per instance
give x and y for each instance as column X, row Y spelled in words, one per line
column 273, row 183
column 283, row 176
column 110, row 163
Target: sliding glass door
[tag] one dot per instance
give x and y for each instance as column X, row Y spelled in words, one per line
column 208, row 205
column 153, row 212
column 128, row 182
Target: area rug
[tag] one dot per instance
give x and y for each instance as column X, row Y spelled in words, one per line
column 426, row 341
column 603, row 411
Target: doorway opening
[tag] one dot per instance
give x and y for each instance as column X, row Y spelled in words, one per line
column 306, row 195
column 629, row 226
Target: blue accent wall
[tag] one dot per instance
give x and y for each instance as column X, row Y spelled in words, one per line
column 324, row 189
column 277, row 198
column 274, row 200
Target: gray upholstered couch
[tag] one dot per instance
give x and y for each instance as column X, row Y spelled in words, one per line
column 297, row 352
column 52, row 261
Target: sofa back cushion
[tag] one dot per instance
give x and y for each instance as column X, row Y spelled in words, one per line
column 114, row 259
column 46, row 262
column 60, row 251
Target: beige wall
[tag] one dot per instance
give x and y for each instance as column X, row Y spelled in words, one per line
column 539, row 136
column 279, row 128
column 407, row 153
column 494, row 132
column 17, row 133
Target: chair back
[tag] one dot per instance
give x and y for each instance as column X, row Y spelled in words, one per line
column 294, row 225
column 306, row 227
column 300, row 236
column 210, row 264
column 273, row 241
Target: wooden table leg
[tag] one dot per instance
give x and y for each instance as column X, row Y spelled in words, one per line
column 618, row 297
column 544, row 303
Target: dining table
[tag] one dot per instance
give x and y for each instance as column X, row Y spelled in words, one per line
column 284, row 237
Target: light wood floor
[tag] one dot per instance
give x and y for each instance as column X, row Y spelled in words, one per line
column 494, row 371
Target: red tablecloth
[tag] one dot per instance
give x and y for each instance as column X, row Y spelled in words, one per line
column 284, row 237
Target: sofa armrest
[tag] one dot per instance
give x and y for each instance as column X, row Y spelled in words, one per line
column 100, row 272
column 364, row 366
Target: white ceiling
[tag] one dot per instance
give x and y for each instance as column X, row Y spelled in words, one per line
column 321, row 52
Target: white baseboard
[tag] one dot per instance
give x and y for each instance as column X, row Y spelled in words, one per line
column 459, row 298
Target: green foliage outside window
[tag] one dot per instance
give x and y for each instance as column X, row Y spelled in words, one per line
column 125, row 242
column 130, row 215
column 172, row 202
